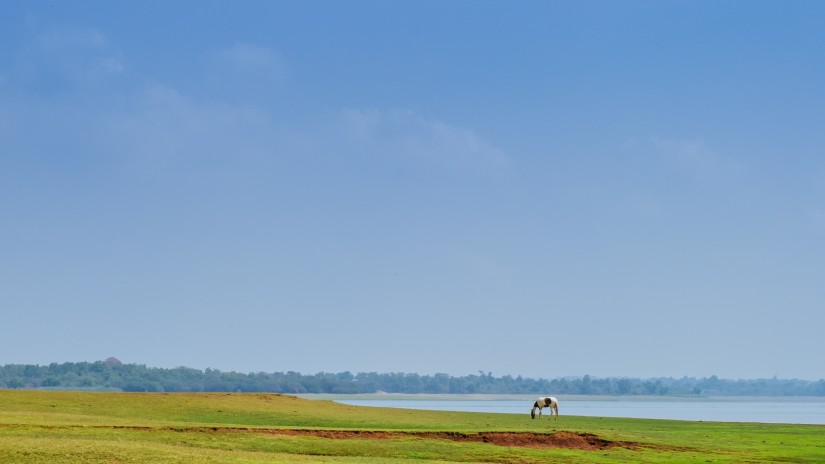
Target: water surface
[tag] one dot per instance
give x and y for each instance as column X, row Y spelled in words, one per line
column 768, row 410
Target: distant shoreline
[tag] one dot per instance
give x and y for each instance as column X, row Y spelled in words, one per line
column 528, row 397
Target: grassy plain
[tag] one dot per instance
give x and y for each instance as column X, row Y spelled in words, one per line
column 71, row 427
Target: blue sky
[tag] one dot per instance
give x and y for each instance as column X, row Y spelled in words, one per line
column 528, row 188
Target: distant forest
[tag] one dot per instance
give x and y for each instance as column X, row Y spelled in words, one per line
column 112, row 375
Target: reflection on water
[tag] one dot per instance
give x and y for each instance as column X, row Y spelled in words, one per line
column 759, row 410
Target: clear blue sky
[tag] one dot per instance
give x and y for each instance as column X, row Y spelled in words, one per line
column 528, row 188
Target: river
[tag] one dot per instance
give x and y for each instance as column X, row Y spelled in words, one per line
column 738, row 409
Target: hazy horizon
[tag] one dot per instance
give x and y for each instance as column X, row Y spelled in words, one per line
column 430, row 374
column 544, row 189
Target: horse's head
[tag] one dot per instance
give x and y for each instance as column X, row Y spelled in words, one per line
column 533, row 413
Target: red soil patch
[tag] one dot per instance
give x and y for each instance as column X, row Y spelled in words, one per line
column 569, row 440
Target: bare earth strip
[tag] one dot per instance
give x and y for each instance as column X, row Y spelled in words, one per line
column 568, row 440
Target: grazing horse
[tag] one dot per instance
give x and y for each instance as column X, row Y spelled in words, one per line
column 544, row 402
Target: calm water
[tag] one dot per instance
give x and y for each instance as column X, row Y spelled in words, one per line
column 757, row 410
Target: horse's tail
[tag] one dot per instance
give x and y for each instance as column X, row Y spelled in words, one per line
column 533, row 411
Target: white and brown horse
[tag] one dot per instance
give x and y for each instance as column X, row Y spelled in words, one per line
column 543, row 402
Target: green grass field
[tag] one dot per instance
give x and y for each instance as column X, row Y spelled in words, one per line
column 61, row 427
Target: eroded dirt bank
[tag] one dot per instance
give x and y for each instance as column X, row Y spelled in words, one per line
column 570, row 440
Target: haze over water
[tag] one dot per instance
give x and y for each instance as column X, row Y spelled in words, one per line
column 790, row 411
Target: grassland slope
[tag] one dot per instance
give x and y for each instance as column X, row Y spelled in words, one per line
column 69, row 427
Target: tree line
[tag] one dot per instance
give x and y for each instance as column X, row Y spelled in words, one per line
column 112, row 375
